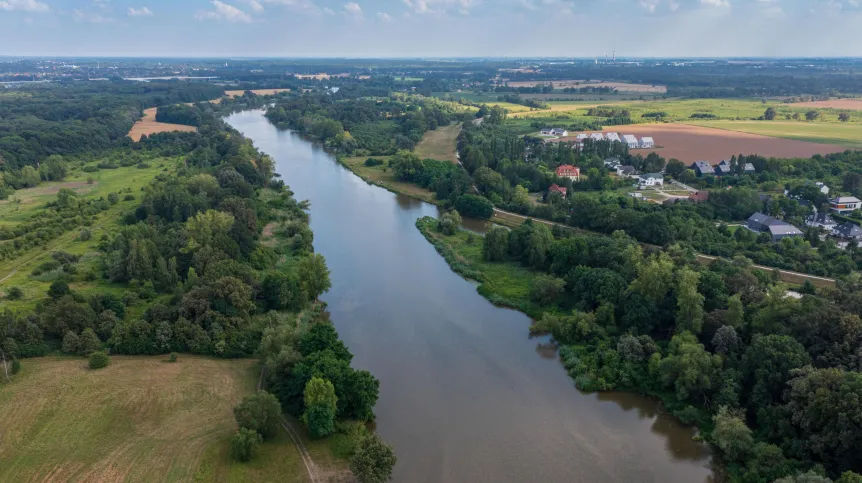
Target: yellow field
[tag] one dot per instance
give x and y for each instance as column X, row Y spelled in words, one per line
column 259, row 92
column 139, row 419
column 148, row 125
column 440, row 143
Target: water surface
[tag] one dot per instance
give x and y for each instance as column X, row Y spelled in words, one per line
column 466, row 395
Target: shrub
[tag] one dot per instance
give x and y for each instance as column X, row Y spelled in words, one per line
column 173, row 357
column 14, row 293
column 70, row 343
column 129, row 197
column 85, row 234
column 143, row 166
column 90, row 180
column 260, row 413
column 58, row 289
column 99, row 360
column 370, row 162
column 16, row 366
column 88, row 342
column 113, row 198
column 474, row 206
column 244, row 443
column 373, row 460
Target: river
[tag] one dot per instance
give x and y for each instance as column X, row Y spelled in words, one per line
column 465, row 394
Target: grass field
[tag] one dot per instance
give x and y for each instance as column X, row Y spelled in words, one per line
column 383, row 177
column 440, row 143
column 848, row 135
column 139, row 419
column 259, row 92
column 26, row 203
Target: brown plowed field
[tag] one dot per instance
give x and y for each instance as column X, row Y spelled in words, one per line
column 695, row 143
column 848, row 104
column 148, row 125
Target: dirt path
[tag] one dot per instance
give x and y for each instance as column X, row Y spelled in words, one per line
column 786, row 275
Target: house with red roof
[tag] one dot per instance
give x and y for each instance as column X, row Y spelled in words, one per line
column 555, row 188
column 568, row 171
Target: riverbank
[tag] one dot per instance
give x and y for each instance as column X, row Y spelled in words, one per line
column 380, row 175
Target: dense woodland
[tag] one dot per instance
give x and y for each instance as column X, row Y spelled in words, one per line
column 772, row 381
column 194, row 273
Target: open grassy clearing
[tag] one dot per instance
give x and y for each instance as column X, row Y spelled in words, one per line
column 841, row 104
column 440, row 143
column 848, row 135
column 259, row 92
column 139, row 419
column 148, row 125
column 382, row 176
column 575, row 83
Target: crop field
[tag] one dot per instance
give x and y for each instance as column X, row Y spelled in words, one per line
column 259, row 92
column 568, row 83
column 690, row 143
column 847, row 135
column 841, row 104
column 139, row 419
column 148, row 125
column 440, row 143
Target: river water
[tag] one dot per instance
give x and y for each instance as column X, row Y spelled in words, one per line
column 465, row 394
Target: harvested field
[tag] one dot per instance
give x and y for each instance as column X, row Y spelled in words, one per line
column 848, row 135
column 148, row 125
column 620, row 86
column 259, row 92
column 848, row 104
column 690, row 143
column 440, row 143
column 139, row 419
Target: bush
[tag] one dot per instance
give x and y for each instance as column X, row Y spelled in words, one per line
column 371, row 162
column 173, row 357
column 244, row 443
column 129, row 197
column 14, row 293
column 143, row 166
column 58, row 289
column 88, row 342
column 113, row 198
column 90, row 180
column 260, row 413
column 89, row 169
column 16, row 366
column 373, row 460
column 70, row 343
column 85, row 234
column 474, row 206
column 99, row 360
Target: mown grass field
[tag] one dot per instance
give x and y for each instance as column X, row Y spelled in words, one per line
column 24, row 204
column 440, row 143
column 139, row 419
column 843, row 134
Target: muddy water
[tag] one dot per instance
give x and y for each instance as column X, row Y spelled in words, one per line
column 466, row 395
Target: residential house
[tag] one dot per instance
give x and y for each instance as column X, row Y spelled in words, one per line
column 631, row 141
column 848, row 231
column 651, row 179
column 555, row 188
column 748, row 169
column 844, row 204
column 612, row 136
column 699, row 196
column 597, row 136
column 702, row 168
column 627, row 172
column 581, row 136
column 823, row 188
column 546, row 131
column 722, row 169
column 568, row 171
column 612, row 163
column 635, row 194
column 777, row 229
column 821, row 220
column 647, row 142
column 554, row 132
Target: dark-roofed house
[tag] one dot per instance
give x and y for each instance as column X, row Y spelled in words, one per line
column 821, row 220
column 749, row 169
column 627, row 172
column 722, row 169
column 702, row 168
column 777, row 229
column 847, row 231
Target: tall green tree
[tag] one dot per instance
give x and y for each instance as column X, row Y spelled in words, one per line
column 373, row 460
column 260, row 412
column 314, row 275
column 689, row 314
column 320, row 407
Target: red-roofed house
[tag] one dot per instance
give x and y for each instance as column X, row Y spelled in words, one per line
column 554, row 188
column 699, row 196
column 569, row 171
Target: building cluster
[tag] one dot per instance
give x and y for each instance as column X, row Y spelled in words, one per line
column 843, row 232
column 629, row 140
column 704, row 168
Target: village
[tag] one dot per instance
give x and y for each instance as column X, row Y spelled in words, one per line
column 650, row 187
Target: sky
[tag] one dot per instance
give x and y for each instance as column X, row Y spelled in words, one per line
column 431, row 28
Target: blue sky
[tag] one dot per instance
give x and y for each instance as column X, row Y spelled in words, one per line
column 397, row 28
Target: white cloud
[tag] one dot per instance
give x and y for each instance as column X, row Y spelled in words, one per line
column 255, row 6
column 715, row 3
column 223, row 11
column 384, row 16
column 854, row 3
column 328, row 11
column 353, row 8
column 649, row 5
column 443, row 6
column 140, row 12
column 90, row 17
column 23, row 6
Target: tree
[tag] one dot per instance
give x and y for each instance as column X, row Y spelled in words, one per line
column 260, row 412
column 767, row 365
column 807, row 477
column 675, row 168
column 88, row 342
column 322, row 336
column 726, row 341
column 689, row 314
column 314, row 275
column 538, row 245
column 243, row 444
column 732, row 436
column 474, row 207
column 521, row 200
column 495, row 244
column 655, row 278
column 735, row 314
column 99, row 360
column 320, row 407
column 406, row 165
column 843, row 116
column 811, row 115
column 546, row 289
column 689, row 368
column 58, row 289
column 373, row 460
column 207, row 228
column 450, row 222
column 769, row 114
column 70, row 343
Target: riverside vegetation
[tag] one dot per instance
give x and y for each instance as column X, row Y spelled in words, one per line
column 183, row 264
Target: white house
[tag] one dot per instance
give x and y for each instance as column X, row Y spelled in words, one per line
column 581, row 136
column 631, row 141
column 559, row 132
column 651, row 179
column 612, row 136
column 635, row 194
column 596, row 136
column 821, row 220
column 626, row 172
column 844, row 204
column 546, row 131
column 823, row 188
column 647, row 142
